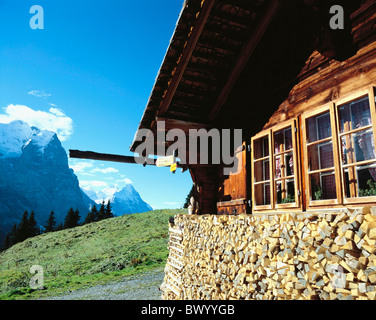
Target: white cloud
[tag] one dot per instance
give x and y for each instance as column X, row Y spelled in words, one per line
column 86, row 174
column 125, row 180
column 81, row 166
column 39, row 94
column 86, row 184
column 105, row 170
column 57, row 112
column 54, row 119
column 171, row 203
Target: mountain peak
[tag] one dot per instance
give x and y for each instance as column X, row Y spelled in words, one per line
column 124, row 200
column 16, row 135
column 35, row 176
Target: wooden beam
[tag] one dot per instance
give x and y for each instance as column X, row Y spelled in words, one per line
column 186, row 55
column 103, row 156
column 236, row 202
column 244, row 57
column 114, row 158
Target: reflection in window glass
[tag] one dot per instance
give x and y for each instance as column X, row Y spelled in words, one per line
column 261, row 148
column 320, row 156
column 322, row 183
column 360, row 181
column 318, row 127
column 357, row 147
column 354, row 115
column 323, row 186
column 262, row 170
column 285, row 191
column 262, row 194
column 282, row 140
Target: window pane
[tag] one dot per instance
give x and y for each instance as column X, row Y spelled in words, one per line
column 318, row 127
column 357, row 147
column 282, row 140
column 354, row 115
column 261, row 148
column 261, row 170
column 289, row 163
column 278, row 142
column 285, row 168
column 320, row 156
column 262, row 194
column 288, row 139
column 360, row 181
column 285, row 191
column 323, row 186
column 366, row 181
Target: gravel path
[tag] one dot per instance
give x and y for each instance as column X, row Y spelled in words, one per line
column 139, row 287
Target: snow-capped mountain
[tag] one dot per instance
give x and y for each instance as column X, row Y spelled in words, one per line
column 123, row 200
column 18, row 134
column 35, row 176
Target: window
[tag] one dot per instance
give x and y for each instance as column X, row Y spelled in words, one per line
column 320, row 156
column 261, row 169
column 339, row 152
column 284, row 166
column 357, row 148
column 274, row 163
column 338, row 157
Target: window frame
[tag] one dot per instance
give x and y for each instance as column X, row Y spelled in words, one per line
column 308, row 193
column 295, row 151
column 300, row 148
column 370, row 93
column 292, row 124
column 262, row 134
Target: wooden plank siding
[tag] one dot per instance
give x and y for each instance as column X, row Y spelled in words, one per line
column 321, row 82
column 232, row 193
column 337, row 80
column 325, row 83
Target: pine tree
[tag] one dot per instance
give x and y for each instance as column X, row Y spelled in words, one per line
column 32, row 229
column 71, row 220
column 22, row 232
column 102, row 212
column 77, row 217
column 51, row 223
column 92, row 215
column 59, row 227
column 10, row 239
column 108, row 211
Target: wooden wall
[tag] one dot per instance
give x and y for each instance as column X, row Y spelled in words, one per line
column 234, row 188
column 323, row 80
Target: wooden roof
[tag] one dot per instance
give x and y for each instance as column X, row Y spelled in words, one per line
column 227, row 57
column 210, row 39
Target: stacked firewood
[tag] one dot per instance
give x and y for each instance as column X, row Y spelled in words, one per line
column 172, row 283
column 316, row 255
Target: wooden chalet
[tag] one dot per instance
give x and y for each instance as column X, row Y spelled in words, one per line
column 302, row 93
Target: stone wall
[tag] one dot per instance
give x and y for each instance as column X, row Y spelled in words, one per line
column 315, row 255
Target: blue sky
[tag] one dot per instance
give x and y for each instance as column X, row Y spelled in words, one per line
column 88, row 75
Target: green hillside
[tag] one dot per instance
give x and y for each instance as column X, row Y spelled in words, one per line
column 87, row 255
